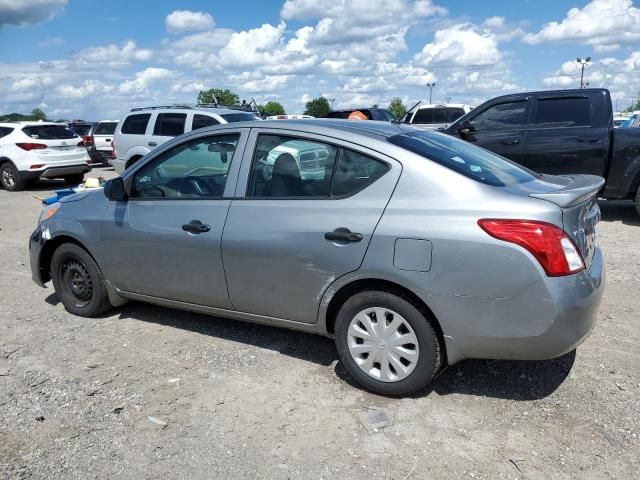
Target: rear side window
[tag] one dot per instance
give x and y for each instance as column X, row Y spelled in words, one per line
column 105, row 128
column 563, row 112
column 201, row 121
column 170, row 124
column 464, row 158
column 4, row 131
column 49, row 132
column 136, row 124
column 355, row 172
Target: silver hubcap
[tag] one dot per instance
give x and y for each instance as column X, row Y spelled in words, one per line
column 383, row 344
column 7, row 177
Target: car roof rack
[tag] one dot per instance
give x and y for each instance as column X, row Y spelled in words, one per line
column 157, row 107
column 251, row 106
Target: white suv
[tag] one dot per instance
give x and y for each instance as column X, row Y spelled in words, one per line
column 143, row 129
column 34, row 150
column 436, row 117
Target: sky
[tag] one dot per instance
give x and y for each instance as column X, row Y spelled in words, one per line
column 95, row 60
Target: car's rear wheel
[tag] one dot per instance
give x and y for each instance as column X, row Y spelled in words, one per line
column 78, row 281
column 74, row 179
column 386, row 343
column 638, row 200
column 10, row 177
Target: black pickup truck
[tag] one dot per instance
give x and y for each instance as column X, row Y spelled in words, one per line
column 559, row 132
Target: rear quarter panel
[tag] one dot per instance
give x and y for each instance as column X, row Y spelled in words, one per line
column 624, row 172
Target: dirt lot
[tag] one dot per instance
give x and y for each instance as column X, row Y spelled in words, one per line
column 234, row 400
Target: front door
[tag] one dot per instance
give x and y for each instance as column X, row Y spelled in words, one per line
column 306, row 219
column 501, row 128
column 164, row 241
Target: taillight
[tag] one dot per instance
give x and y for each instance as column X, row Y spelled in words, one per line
column 549, row 244
column 81, row 144
column 31, row 146
column 40, row 165
column 87, row 139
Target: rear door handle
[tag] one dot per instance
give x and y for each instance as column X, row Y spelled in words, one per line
column 510, row 141
column 343, row 235
column 152, row 144
column 196, row 226
column 588, row 140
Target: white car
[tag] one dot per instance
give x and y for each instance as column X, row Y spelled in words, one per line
column 99, row 141
column 34, row 150
column 143, row 129
column 436, row 116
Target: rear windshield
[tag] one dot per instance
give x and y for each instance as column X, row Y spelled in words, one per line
column 464, row 158
column 240, row 117
column 438, row 115
column 105, row 128
column 49, row 132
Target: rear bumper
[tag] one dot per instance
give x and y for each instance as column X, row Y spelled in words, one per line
column 56, row 172
column 550, row 319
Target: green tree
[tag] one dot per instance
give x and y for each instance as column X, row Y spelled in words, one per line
column 225, row 97
column 397, row 108
column 38, row 114
column 318, row 107
column 272, row 108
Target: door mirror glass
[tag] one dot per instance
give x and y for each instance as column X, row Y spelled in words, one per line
column 114, row 190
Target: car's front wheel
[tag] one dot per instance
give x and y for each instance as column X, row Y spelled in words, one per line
column 78, row 281
column 386, row 343
column 10, row 178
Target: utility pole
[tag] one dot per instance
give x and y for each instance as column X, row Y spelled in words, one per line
column 448, row 99
column 431, row 85
column 332, row 100
column 582, row 62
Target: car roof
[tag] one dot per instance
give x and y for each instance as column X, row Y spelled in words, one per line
column 186, row 108
column 448, row 105
column 28, row 123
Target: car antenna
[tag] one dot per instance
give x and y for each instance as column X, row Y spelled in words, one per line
column 398, row 120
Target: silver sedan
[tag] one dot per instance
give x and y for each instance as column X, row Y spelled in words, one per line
column 413, row 249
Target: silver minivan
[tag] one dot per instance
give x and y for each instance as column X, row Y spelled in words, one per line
column 413, row 249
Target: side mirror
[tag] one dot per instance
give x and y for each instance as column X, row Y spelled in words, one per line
column 466, row 128
column 114, row 190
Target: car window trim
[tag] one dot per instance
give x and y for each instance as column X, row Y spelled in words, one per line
column 318, row 197
column 534, row 111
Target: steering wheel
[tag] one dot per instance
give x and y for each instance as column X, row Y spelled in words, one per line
column 194, row 183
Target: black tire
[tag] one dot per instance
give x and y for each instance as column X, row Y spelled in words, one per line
column 78, row 281
column 638, row 201
column 74, row 179
column 429, row 359
column 10, row 178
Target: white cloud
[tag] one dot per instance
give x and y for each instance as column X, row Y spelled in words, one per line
column 144, row 79
column 601, row 22
column 460, row 45
column 26, row 12
column 180, row 21
column 113, row 55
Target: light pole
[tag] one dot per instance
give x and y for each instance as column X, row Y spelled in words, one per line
column 448, row 99
column 431, row 85
column 582, row 62
column 332, row 100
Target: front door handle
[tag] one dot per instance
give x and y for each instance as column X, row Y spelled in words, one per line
column 196, row 226
column 152, row 144
column 587, row 140
column 343, row 235
column 510, row 141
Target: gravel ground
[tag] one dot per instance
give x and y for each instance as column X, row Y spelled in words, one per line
column 150, row 392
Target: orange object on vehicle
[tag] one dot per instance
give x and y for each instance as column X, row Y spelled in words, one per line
column 357, row 115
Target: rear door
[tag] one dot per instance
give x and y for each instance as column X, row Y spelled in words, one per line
column 501, row 127
column 291, row 233
column 566, row 135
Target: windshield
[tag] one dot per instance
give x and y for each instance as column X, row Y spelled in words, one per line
column 240, row 117
column 464, row 158
column 49, row 132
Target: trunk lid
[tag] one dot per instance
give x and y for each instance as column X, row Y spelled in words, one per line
column 577, row 196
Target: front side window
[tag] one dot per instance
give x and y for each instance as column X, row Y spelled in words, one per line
column 503, row 116
column 563, row 112
column 291, row 167
column 196, row 169
column 202, row 121
column 170, row 124
column 136, row 124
